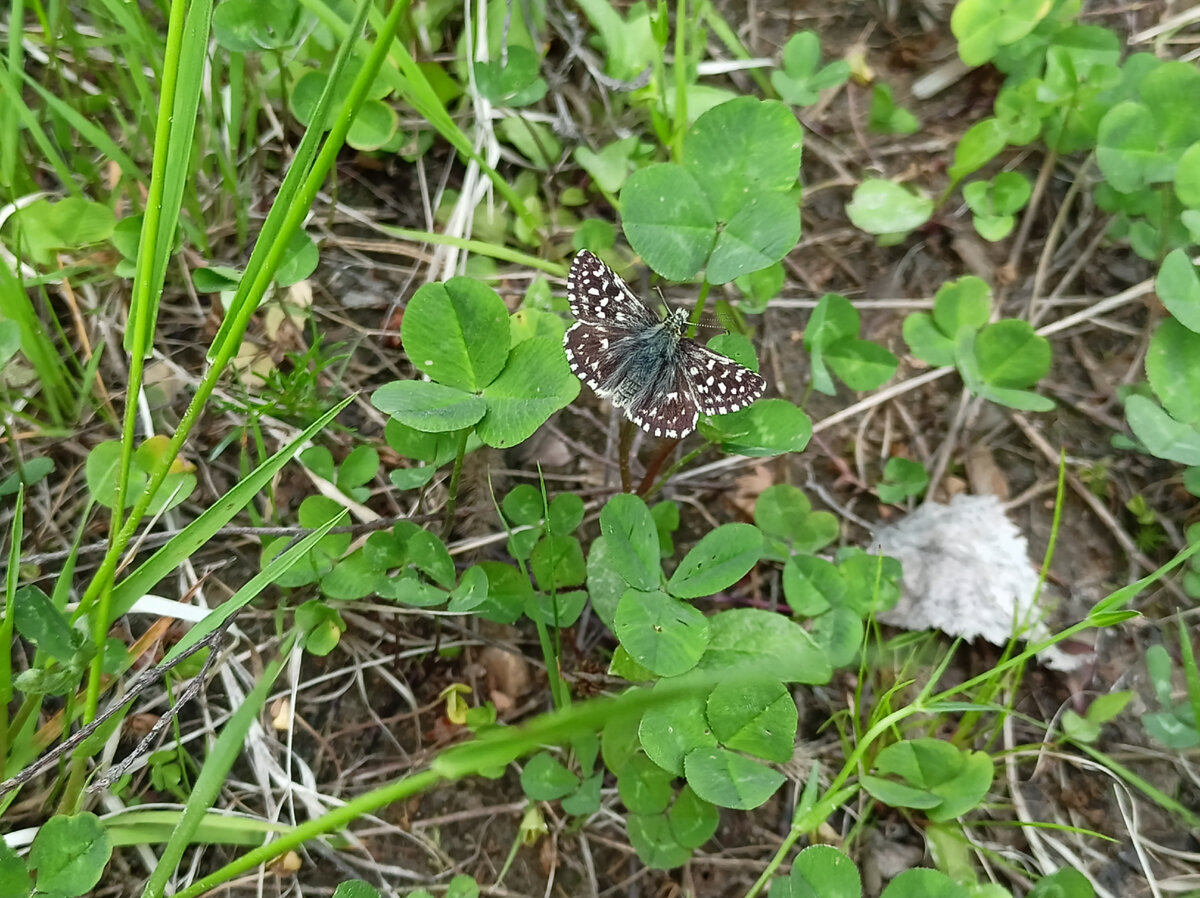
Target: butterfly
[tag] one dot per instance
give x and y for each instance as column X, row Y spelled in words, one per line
column 644, row 364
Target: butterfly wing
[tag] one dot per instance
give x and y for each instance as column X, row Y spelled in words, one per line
column 670, row 414
column 668, row 396
column 589, row 354
column 598, row 296
column 719, row 385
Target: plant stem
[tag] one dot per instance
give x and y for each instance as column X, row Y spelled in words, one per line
column 455, row 476
column 624, row 445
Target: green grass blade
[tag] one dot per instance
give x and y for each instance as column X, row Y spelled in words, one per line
column 217, row 765
column 182, row 81
column 15, row 533
column 143, row 826
column 9, row 131
column 414, row 88
column 196, row 534
column 35, row 343
column 1190, row 674
column 277, row 567
column 289, row 208
column 88, row 130
column 11, row 99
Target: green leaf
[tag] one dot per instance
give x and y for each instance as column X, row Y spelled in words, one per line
column 610, row 166
column 251, row 26
column 1009, row 192
column 965, row 302
column 1065, row 883
column 544, row 778
column 586, row 799
column 872, row 581
column 801, row 82
column 429, row 407
column 693, row 820
column 981, row 143
column 957, row 780
column 760, row 287
column 668, row 220
column 457, row 333
column 514, row 84
column 762, row 640
column 1167, row 91
column 821, row 871
column 861, row 364
column 811, row 585
column 352, row 577
column 70, row 854
column 462, row 886
column 557, row 563
column 730, row 780
column 833, row 319
column 34, row 471
column 358, row 468
column 984, row 26
column 1106, row 707
column 922, row 883
column 44, row 227
column 1187, row 177
column 1179, row 289
column 536, row 382
column 1011, row 354
column 1127, row 148
column 885, row 207
column 533, row 140
column 561, row 609
column 1163, row 436
column 507, row 592
column 994, row 227
column 654, row 840
column 356, row 888
column 523, row 505
column 721, row 558
column 784, row 513
column 38, row 619
column 566, row 513
column 757, row 718
column 744, row 148
column 631, row 541
column 926, row 341
column 374, row 127
column 434, row 448
column 1173, row 370
column 666, row 518
column 768, row 427
column 430, row 556
column 644, row 787
column 664, row 635
column 15, row 880
column 839, row 633
column 760, row 233
column 471, row 592
column 321, row 625
column 629, row 45
column 605, row 584
column 902, row 478
column 299, row 260
column 670, row 730
column 885, row 116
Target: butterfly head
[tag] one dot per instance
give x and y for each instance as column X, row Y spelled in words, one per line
column 676, row 323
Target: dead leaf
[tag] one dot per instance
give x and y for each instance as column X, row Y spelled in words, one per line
column 508, row 677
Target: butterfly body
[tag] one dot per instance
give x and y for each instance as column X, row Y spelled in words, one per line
column 622, row 350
